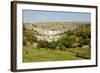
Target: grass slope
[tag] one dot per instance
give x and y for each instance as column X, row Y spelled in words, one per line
column 36, row 55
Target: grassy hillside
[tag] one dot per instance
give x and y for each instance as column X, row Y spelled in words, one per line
column 36, row 55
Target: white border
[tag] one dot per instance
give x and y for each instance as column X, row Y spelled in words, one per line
column 21, row 65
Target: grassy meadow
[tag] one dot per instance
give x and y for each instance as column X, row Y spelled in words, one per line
column 35, row 55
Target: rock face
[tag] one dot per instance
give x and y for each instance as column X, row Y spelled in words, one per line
column 48, row 35
column 50, row 32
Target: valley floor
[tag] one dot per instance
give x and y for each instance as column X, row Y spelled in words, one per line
column 43, row 54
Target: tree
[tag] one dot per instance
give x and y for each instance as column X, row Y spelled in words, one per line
column 43, row 44
column 67, row 41
column 52, row 45
column 29, row 36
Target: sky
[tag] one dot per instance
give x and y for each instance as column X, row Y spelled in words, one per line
column 33, row 16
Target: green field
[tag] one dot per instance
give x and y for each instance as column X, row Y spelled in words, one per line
column 36, row 55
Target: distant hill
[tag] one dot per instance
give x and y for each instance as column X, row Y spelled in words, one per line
column 55, row 25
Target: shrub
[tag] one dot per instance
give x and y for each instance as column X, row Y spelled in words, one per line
column 43, row 44
column 67, row 41
column 52, row 45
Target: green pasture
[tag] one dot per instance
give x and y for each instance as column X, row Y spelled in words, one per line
column 43, row 54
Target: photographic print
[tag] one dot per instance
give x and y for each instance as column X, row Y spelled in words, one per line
column 53, row 36
column 56, row 36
